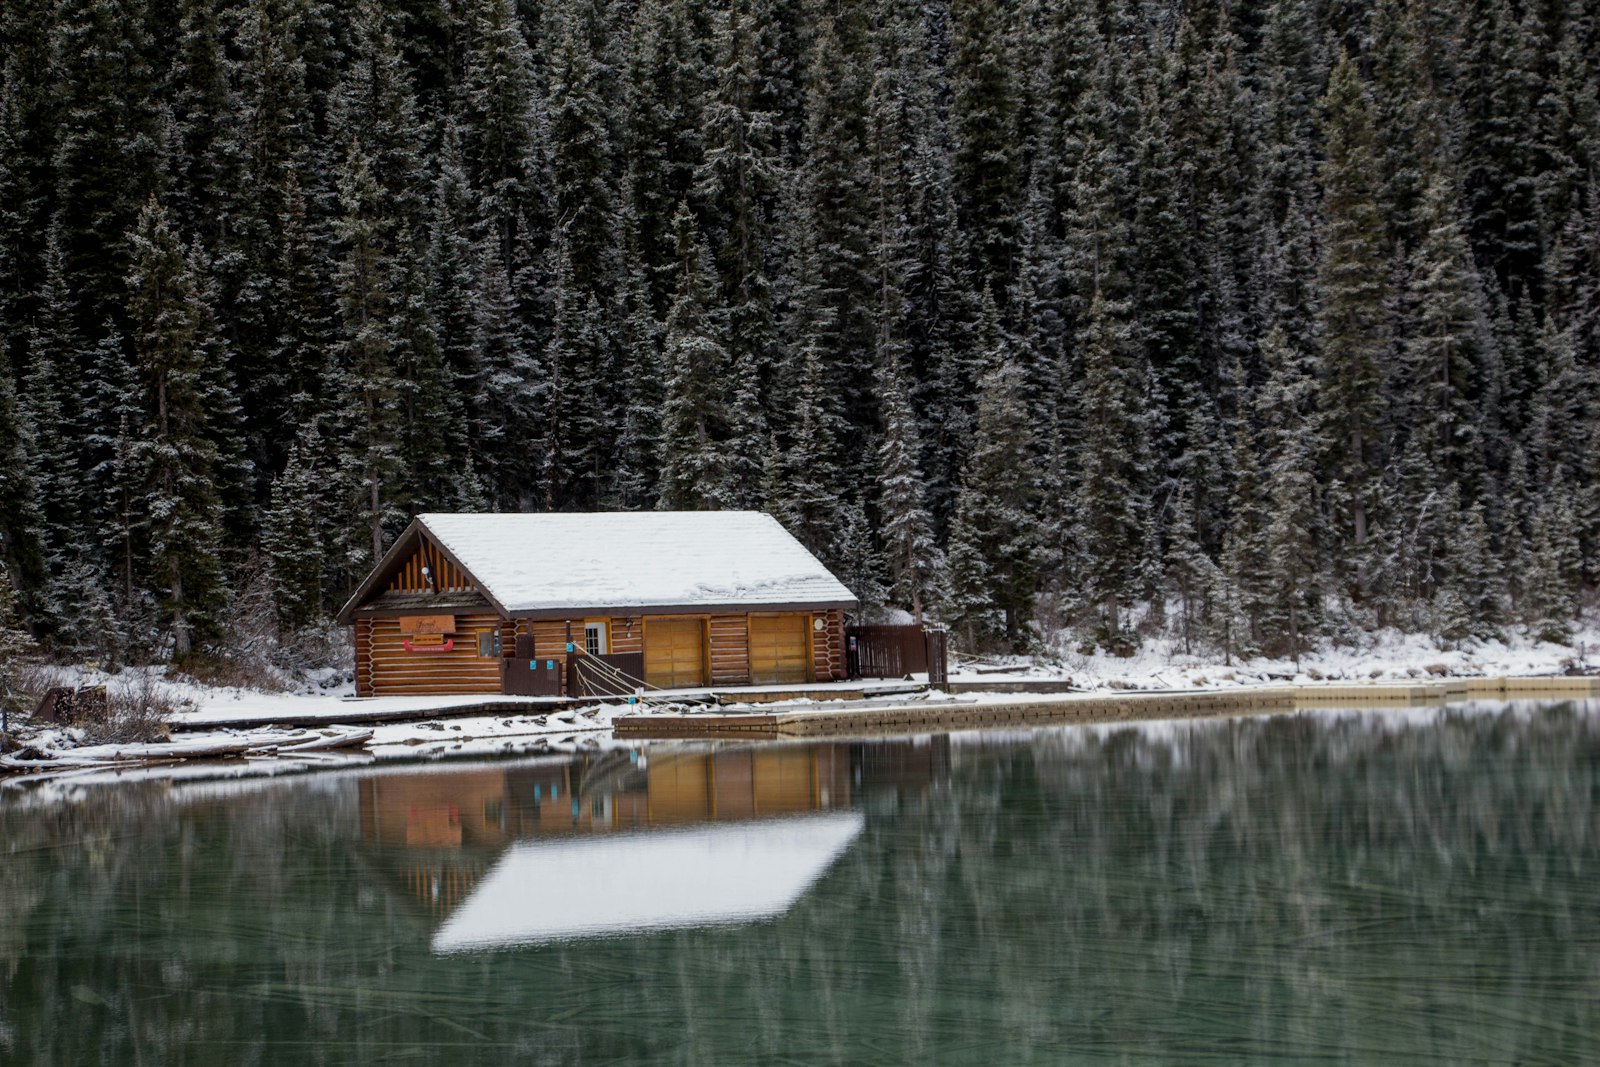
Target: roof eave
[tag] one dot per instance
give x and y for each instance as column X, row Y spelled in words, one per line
column 386, row 567
column 576, row 611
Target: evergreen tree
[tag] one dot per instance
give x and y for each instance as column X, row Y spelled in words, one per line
column 1246, row 559
column 996, row 540
column 803, row 491
column 113, row 406
column 175, row 456
column 668, row 80
column 1113, row 456
column 105, row 156
column 1495, row 86
column 988, row 167
column 695, row 467
column 501, row 116
column 363, row 365
column 832, row 273
column 1353, row 319
column 909, row 547
column 1447, row 346
column 1286, row 411
column 581, row 150
column 20, row 550
column 639, row 444
column 274, row 307
column 1550, row 601
column 1471, row 600
column 291, row 537
column 1192, row 575
column 16, row 644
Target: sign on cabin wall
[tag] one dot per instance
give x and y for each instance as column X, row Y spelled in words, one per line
column 427, row 624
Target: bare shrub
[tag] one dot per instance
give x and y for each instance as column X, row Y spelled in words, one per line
column 135, row 713
column 31, row 679
column 254, row 652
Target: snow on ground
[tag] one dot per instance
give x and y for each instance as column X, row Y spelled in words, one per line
column 1389, row 656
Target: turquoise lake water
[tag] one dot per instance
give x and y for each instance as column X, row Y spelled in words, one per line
column 1406, row 888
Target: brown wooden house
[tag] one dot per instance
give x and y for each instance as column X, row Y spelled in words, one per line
column 713, row 598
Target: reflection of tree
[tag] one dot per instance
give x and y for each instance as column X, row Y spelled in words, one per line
column 1258, row 891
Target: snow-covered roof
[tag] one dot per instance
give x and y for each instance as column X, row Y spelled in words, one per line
column 647, row 559
column 551, row 891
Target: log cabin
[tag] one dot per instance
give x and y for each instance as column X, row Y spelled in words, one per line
column 470, row 603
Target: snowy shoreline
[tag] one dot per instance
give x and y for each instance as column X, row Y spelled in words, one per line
column 261, row 745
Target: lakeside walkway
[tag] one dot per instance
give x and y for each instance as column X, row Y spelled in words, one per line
column 1099, row 707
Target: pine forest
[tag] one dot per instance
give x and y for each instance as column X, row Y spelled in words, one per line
column 1064, row 322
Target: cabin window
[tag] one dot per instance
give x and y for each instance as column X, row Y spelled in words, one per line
column 594, row 638
column 489, row 644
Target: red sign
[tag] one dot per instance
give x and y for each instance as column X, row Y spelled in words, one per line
column 427, row 624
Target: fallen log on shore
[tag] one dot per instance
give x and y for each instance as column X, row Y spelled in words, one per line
column 132, row 754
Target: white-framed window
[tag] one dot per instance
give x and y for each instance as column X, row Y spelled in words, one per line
column 594, row 638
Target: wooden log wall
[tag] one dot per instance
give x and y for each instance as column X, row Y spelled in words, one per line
column 625, row 637
column 730, row 649
column 827, row 648
column 363, row 657
column 385, row 668
column 393, row 671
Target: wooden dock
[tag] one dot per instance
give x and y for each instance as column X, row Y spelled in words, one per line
column 1126, row 706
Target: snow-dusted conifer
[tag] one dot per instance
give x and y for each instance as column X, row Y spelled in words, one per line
column 175, row 458
column 1113, row 458
column 1353, row 318
column 291, row 537
column 909, row 549
column 1550, row 600
column 694, row 465
column 1286, row 409
column 1446, row 343
column 996, row 540
column 803, row 482
column 363, row 362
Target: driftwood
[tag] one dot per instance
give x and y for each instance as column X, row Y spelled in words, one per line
column 348, row 739
column 105, row 756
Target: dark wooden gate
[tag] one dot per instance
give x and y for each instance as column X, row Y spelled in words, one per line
column 531, row 677
column 896, row 652
column 616, row 675
column 524, row 675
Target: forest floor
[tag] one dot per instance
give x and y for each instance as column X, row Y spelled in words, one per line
column 322, row 725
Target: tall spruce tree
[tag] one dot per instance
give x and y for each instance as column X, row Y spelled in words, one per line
column 996, row 541
column 175, row 458
column 363, row 364
column 695, row 465
column 1353, row 319
column 909, row 548
column 1286, row 410
column 1113, row 504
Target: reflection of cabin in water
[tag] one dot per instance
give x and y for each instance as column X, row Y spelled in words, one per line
column 452, row 826
column 462, row 603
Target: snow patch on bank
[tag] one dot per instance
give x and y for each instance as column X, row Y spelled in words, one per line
column 1388, row 656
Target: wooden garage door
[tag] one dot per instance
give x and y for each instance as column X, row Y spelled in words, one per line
column 674, row 652
column 778, row 650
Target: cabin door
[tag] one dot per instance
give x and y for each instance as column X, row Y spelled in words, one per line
column 778, row 654
column 674, row 653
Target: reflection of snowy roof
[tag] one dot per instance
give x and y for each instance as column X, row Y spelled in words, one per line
column 723, row 873
column 641, row 559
